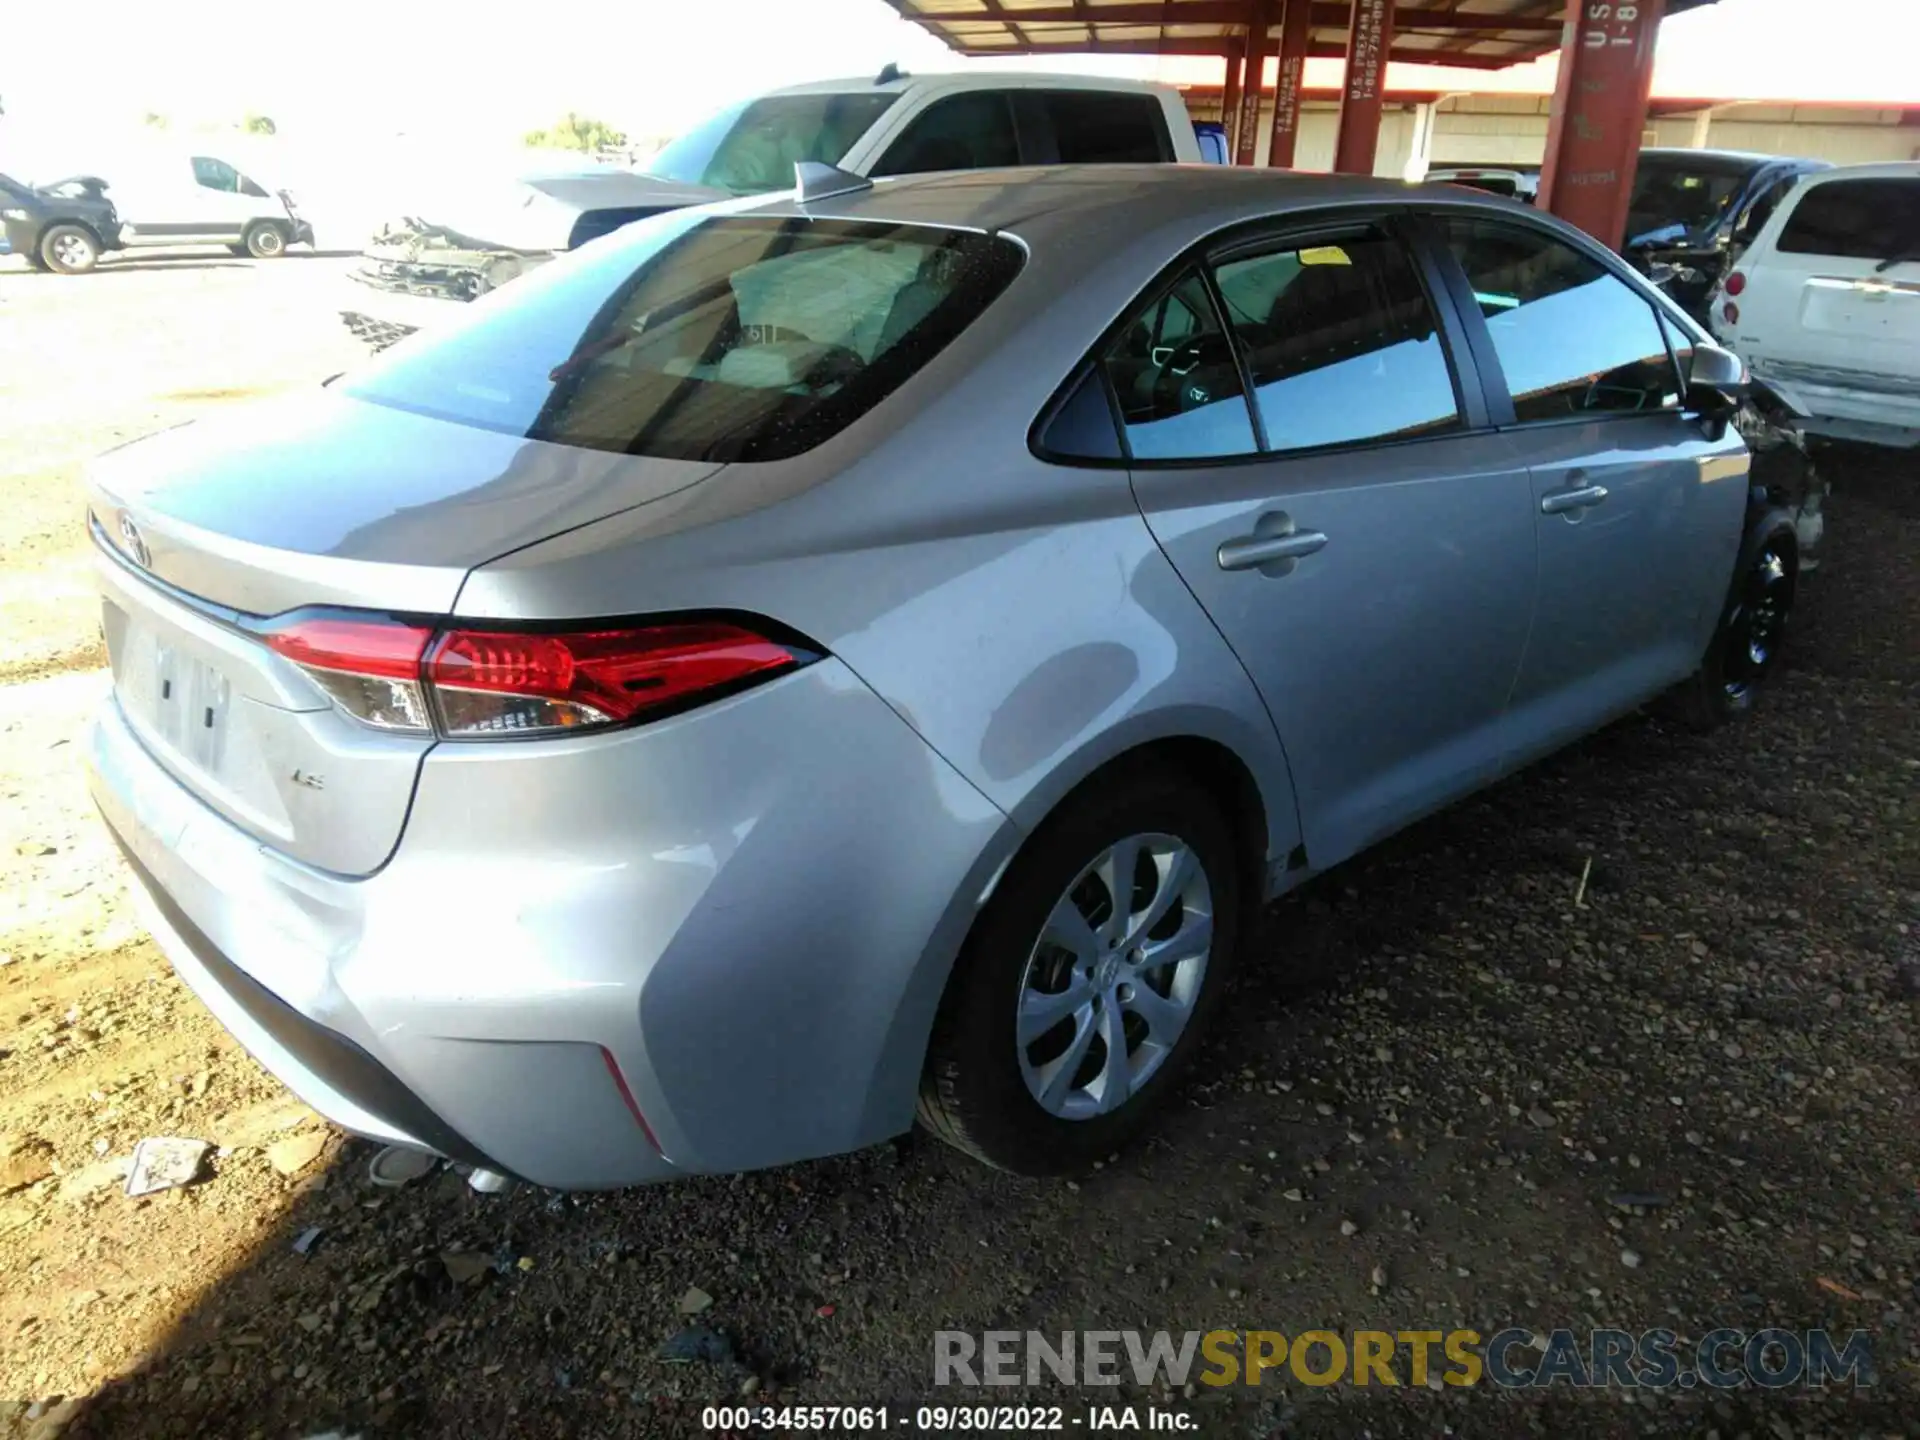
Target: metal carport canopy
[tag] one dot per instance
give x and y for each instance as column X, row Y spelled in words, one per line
column 1475, row 34
column 1600, row 100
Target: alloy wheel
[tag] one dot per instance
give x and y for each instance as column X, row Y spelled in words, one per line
column 1112, row 981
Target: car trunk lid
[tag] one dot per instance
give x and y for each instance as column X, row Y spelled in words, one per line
column 326, row 502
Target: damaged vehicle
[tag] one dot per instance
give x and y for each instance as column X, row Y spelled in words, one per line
column 416, row 265
column 890, row 124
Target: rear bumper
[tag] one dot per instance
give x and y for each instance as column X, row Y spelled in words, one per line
column 744, row 916
column 1849, row 405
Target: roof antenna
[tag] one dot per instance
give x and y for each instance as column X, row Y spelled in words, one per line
column 813, row 180
column 889, row 73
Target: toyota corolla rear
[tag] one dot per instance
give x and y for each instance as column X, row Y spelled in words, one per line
column 560, row 896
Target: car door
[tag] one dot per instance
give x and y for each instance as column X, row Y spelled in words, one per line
column 219, row 207
column 1322, row 476
column 1834, row 301
column 1636, row 501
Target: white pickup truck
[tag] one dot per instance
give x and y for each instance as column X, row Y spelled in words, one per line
column 892, row 124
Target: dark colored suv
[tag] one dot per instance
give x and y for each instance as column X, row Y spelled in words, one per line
column 59, row 227
column 1693, row 209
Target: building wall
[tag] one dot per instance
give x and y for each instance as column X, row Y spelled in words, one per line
column 1512, row 130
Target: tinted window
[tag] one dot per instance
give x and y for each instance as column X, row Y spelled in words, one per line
column 702, row 339
column 1340, row 342
column 1693, row 194
column 962, row 132
column 752, row 148
column 1095, row 129
column 211, row 174
column 1860, row 219
column 1572, row 338
column 1173, row 371
column 1082, row 425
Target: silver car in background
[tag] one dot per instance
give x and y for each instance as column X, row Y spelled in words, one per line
column 802, row 662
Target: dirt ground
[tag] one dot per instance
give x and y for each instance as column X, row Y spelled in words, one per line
column 1445, row 1094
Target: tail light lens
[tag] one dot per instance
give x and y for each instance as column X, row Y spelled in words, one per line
column 1736, row 282
column 479, row 684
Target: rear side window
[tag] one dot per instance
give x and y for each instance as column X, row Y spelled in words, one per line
column 1090, row 128
column 973, row 131
column 1573, row 339
column 1341, row 343
column 1173, row 371
column 703, row 339
column 1855, row 219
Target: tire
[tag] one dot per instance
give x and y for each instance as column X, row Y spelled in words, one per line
column 70, row 249
column 982, row 1089
column 239, row 247
column 35, row 261
column 266, row 240
column 1747, row 643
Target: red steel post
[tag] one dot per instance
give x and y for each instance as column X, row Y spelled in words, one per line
column 1369, row 35
column 1296, row 29
column 1259, row 19
column 1230, row 91
column 1599, row 111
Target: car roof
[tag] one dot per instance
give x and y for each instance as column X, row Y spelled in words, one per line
column 1045, row 201
column 1879, row 170
column 1732, row 157
column 970, row 80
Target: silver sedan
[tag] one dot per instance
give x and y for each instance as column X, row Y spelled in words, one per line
column 806, row 662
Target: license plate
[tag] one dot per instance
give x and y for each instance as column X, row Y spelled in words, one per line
column 177, row 697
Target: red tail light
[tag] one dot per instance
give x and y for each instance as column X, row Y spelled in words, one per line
column 1736, row 282
column 501, row 682
column 484, row 683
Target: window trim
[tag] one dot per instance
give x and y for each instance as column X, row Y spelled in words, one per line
column 1499, row 396
column 1248, row 237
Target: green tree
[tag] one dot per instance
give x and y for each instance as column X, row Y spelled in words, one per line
column 259, row 125
column 154, row 120
column 577, row 132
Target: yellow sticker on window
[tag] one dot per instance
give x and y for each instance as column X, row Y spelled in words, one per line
column 1324, row 255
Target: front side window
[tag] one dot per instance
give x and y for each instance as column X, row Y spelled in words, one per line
column 211, row 174
column 1090, row 128
column 1341, row 343
column 972, row 131
column 1856, row 219
column 1573, row 339
column 753, row 147
column 1173, row 372
column 703, row 339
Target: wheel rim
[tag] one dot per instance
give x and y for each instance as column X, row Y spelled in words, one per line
column 1111, row 983
column 267, row 242
column 1754, row 628
column 70, row 250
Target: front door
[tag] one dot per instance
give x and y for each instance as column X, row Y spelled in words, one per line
column 1637, row 511
column 1362, row 540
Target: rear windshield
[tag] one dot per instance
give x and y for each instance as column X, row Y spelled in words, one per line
column 1669, row 191
column 753, row 147
column 698, row 338
column 1876, row 219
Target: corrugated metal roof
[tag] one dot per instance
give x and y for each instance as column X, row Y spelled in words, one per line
column 1478, row 34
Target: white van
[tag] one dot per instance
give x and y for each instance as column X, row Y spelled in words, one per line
column 1824, row 305
column 181, row 199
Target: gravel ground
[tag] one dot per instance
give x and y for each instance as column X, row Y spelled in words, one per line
column 1438, row 1079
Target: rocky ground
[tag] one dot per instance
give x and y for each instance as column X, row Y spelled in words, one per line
column 1448, row 1093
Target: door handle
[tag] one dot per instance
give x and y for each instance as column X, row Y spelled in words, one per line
column 1584, row 498
column 1250, row 551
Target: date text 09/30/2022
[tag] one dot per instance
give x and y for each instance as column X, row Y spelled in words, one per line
column 943, row 1419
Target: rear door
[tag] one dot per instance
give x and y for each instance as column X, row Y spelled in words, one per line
column 1834, row 299
column 1361, row 537
column 1636, row 510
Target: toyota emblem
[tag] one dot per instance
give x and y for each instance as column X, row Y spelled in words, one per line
column 132, row 542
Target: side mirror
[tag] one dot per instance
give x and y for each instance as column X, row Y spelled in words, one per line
column 1717, row 384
